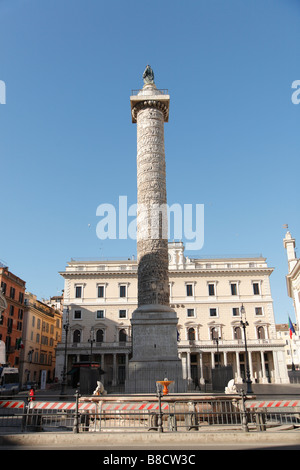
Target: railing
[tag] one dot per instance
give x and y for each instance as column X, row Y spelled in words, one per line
column 159, row 414
column 163, row 91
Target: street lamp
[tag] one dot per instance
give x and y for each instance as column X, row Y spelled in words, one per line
column 92, row 341
column 216, row 338
column 64, row 374
column 244, row 324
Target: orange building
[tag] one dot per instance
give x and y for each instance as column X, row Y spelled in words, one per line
column 11, row 322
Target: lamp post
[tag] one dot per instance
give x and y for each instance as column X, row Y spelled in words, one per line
column 92, row 341
column 64, row 374
column 216, row 338
column 244, row 324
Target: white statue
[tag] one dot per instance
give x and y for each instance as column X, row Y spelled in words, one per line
column 231, row 387
column 99, row 389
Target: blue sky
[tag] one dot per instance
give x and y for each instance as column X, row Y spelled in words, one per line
column 68, row 145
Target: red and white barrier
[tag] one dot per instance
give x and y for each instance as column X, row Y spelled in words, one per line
column 50, row 405
column 11, row 404
column 43, row 405
column 107, row 406
column 273, row 404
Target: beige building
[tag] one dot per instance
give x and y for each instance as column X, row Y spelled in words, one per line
column 41, row 333
column 207, row 295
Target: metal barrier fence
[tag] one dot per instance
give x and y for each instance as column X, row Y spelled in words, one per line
column 154, row 415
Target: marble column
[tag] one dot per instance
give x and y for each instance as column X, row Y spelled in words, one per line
column 154, row 323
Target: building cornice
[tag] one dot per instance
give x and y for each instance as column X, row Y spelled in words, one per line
column 291, row 277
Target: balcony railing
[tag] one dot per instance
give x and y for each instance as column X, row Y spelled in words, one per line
column 98, row 346
column 235, row 343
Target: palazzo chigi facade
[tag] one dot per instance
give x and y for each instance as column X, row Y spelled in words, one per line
column 207, row 295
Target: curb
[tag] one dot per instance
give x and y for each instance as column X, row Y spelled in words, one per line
column 115, row 440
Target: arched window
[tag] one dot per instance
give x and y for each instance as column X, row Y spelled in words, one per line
column 215, row 333
column 191, row 334
column 237, row 333
column 261, row 332
column 122, row 335
column 99, row 336
column 76, row 336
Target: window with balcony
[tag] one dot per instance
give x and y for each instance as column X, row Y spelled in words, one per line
column 215, row 333
column 99, row 336
column 237, row 333
column 122, row 336
column 261, row 332
column 191, row 334
column 76, row 336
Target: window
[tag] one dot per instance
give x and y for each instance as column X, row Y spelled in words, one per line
column 100, row 314
column 236, row 312
column 122, row 336
column 21, row 297
column 122, row 314
column 77, row 315
column 191, row 334
column 122, row 291
column 256, row 288
column 99, row 336
column 211, row 289
column 233, row 287
column 237, row 333
column 190, row 312
column 189, row 290
column 214, row 333
column 11, row 310
column 212, row 312
column 261, row 332
column 3, row 285
column 9, row 325
column 12, row 292
column 100, row 291
column 76, row 336
column 78, row 292
column 258, row 311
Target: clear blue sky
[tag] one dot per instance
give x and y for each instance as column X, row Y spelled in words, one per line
column 67, row 142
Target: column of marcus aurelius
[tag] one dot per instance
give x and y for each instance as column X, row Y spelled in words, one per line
column 154, row 323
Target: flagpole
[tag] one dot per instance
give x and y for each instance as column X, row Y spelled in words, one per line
column 293, row 365
column 291, row 328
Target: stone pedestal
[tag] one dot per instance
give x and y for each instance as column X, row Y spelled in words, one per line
column 155, row 355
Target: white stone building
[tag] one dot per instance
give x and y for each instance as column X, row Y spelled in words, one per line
column 293, row 276
column 207, row 295
column 292, row 345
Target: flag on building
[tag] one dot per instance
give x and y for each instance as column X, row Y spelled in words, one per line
column 291, row 327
